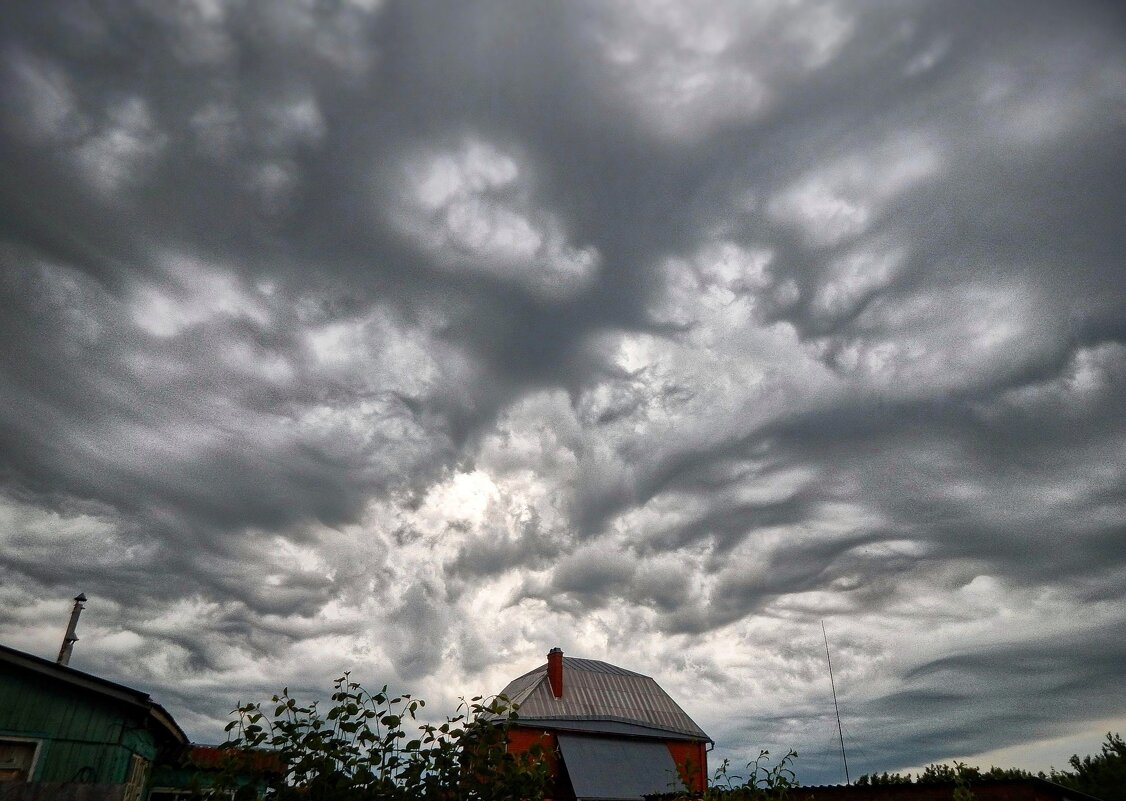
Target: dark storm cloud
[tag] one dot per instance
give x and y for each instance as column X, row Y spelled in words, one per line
column 169, row 432
column 942, row 693
column 496, row 552
column 426, row 335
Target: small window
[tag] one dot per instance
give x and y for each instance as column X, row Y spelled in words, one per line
column 17, row 758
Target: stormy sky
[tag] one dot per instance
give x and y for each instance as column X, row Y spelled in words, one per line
column 414, row 339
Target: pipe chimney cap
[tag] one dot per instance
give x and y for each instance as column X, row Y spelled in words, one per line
column 80, row 597
column 556, row 650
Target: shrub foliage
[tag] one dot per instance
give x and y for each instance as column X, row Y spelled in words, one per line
column 372, row 746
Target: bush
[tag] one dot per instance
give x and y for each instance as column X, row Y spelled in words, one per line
column 368, row 747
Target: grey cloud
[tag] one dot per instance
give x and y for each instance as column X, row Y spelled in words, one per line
column 944, row 690
column 495, row 552
column 591, row 572
column 939, row 712
column 663, row 585
column 849, row 340
column 420, row 632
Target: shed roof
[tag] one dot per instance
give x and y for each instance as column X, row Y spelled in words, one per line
column 596, row 691
column 104, row 688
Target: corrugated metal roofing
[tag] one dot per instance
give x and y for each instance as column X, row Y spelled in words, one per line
column 617, row 770
column 594, row 690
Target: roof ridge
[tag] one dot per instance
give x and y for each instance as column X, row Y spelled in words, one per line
column 582, row 663
column 587, row 666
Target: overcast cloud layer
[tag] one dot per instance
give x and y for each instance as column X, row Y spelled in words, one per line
column 418, row 338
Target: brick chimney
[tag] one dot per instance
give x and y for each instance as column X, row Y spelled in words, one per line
column 555, row 671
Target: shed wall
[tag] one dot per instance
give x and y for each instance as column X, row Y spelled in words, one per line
column 84, row 737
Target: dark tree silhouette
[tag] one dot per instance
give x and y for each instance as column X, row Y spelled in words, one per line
column 1102, row 775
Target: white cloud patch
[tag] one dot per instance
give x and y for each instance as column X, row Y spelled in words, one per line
column 690, row 69
column 472, row 209
column 385, row 381
column 218, row 129
column 274, row 184
column 124, row 149
column 197, row 29
column 83, row 538
column 193, row 293
column 43, row 99
column 378, row 352
column 295, row 121
column 943, row 338
column 1090, row 379
column 856, row 275
column 721, row 276
column 929, row 57
column 725, row 373
column 335, row 35
column 836, row 202
column 1057, row 91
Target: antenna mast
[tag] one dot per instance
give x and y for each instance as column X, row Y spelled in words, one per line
column 71, row 638
column 837, row 709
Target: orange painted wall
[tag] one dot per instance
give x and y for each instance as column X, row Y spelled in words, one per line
column 521, row 740
column 692, row 761
column 691, row 758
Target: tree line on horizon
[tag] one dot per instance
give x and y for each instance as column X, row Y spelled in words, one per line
column 1102, row 775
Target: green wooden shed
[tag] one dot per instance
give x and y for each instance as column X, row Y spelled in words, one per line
column 68, row 734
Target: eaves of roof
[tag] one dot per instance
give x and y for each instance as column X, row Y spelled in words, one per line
column 602, row 725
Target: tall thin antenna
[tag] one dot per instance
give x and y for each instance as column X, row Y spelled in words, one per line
column 837, row 709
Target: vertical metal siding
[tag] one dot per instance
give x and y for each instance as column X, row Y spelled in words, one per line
column 79, row 730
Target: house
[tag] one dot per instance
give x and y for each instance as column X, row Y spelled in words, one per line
column 608, row 733
column 68, row 733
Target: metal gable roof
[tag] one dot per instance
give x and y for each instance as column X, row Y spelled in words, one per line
column 597, row 691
